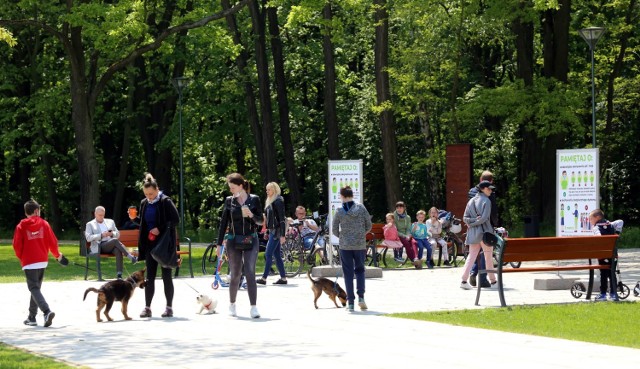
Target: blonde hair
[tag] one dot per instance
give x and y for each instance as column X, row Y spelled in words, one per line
column 421, row 212
column 276, row 192
column 389, row 215
column 432, row 209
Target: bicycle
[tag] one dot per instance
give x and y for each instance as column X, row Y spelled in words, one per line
column 319, row 254
column 292, row 252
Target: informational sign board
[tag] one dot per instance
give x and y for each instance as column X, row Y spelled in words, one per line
column 577, row 191
column 343, row 173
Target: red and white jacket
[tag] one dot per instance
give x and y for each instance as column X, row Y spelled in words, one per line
column 33, row 239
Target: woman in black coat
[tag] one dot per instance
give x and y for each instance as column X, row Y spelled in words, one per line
column 241, row 215
column 158, row 214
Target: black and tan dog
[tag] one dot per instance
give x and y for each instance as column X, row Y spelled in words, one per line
column 118, row 290
column 332, row 289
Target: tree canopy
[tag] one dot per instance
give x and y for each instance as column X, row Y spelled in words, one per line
column 279, row 87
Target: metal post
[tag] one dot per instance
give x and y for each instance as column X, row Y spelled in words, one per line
column 181, row 166
column 180, row 83
column 593, row 101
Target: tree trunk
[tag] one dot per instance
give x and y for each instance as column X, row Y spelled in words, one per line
column 432, row 168
column 330, row 114
column 283, row 109
column 83, row 129
column 268, row 136
column 126, row 151
column 383, row 93
column 249, row 94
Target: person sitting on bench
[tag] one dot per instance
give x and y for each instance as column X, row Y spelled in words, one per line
column 103, row 235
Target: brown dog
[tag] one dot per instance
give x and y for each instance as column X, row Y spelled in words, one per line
column 118, row 290
column 330, row 288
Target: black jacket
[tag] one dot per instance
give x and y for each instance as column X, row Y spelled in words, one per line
column 167, row 213
column 233, row 220
column 276, row 217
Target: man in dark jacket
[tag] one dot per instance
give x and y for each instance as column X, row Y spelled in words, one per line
column 486, row 176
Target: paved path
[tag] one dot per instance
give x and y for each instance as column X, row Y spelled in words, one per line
column 292, row 333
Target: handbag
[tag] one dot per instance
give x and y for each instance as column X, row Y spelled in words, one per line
column 164, row 251
column 242, row 242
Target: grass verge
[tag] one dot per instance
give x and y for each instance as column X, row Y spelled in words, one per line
column 586, row 322
column 15, row 358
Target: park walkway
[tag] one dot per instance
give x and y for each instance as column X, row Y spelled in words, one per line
column 291, row 333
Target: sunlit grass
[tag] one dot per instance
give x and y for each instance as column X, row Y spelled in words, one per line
column 610, row 323
column 14, row 358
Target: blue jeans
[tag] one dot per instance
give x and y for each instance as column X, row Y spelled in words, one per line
column 424, row 244
column 474, row 270
column 353, row 263
column 273, row 251
column 307, row 240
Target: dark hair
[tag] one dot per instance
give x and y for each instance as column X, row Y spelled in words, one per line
column 30, row 207
column 346, row 191
column 131, row 207
column 238, row 180
column 149, row 181
column 400, row 203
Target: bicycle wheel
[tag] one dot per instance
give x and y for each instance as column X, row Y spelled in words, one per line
column 452, row 250
column 210, row 260
column 293, row 257
column 623, row 291
column 317, row 257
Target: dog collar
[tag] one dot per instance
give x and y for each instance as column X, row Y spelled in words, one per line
column 207, row 305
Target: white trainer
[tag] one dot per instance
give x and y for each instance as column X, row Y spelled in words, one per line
column 465, row 286
column 232, row 309
column 254, row 312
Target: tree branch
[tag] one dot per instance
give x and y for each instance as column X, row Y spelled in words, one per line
column 122, row 63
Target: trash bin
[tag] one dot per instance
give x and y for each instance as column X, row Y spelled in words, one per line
column 531, row 226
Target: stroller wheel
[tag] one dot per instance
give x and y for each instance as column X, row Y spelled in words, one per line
column 623, row 291
column 578, row 289
column 636, row 290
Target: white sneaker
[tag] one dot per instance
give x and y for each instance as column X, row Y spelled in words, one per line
column 465, row 286
column 232, row 309
column 254, row 312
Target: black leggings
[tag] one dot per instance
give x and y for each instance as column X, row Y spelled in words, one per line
column 150, row 288
column 243, row 262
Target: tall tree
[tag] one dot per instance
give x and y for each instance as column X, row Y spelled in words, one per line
column 264, row 90
column 283, row 108
column 88, row 79
column 385, row 106
column 330, row 113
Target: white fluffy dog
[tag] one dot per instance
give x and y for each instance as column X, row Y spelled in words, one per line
column 207, row 304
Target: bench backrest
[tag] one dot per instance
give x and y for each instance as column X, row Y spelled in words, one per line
column 129, row 238
column 559, row 248
column 376, row 233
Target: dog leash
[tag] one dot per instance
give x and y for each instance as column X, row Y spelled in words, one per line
column 198, row 292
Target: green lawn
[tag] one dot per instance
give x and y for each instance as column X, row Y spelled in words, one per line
column 610, row 323
column 14, row 358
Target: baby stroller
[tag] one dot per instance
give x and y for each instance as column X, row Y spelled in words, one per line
column 451, row 228
column 579, row 288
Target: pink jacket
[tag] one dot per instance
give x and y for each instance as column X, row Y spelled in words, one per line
column 391, row 237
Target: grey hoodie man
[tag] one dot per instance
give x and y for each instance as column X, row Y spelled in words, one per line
column 351, row 227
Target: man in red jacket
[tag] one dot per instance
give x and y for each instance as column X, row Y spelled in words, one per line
column 33, row 239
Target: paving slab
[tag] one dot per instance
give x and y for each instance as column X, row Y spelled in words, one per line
column 291, row 332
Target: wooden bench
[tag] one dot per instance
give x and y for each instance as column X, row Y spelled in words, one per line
column 375, row 241
column 579, row 249
column 129, row 239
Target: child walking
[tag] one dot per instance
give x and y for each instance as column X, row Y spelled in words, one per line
column 33, row 239
column 434, row 227
column 421, row 235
